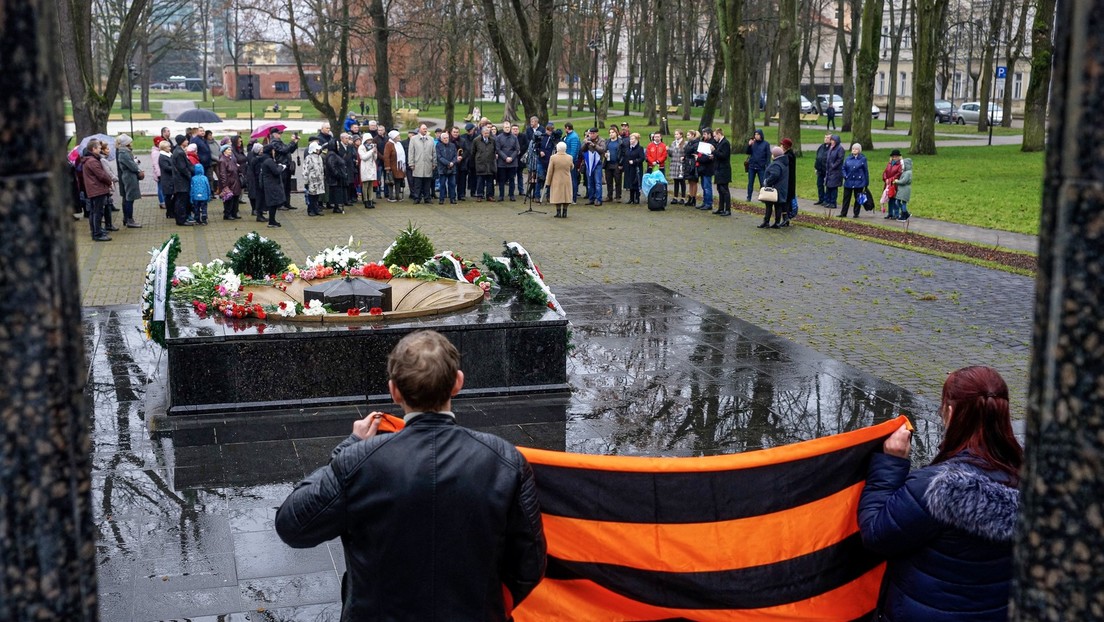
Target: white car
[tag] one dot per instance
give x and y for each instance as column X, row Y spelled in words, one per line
column 968, row 113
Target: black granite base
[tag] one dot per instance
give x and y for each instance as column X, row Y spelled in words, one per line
column 219, row 365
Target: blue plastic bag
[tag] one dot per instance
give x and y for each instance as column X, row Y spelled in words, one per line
column 650, row 180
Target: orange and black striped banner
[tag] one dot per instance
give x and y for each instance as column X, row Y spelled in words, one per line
column 765, row 535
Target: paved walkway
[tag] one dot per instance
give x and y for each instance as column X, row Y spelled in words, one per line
column 904, row 316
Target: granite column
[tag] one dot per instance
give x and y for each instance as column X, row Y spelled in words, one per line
column 1059, row 573
column 47, row 541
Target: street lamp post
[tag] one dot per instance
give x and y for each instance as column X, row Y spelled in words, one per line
column 251, row 97
column 132, row 73
column 593, row 46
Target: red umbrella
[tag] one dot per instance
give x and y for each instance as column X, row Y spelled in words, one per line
column 264, row 128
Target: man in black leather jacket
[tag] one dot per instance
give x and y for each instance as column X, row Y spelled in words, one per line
column 438, row 522
column 283, row 154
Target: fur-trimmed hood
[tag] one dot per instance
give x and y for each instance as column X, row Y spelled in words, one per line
column 964, row 497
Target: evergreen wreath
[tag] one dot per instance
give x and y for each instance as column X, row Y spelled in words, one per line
column 411, row 248
column 254, row 256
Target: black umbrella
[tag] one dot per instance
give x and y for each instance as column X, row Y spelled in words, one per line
column 198, row 115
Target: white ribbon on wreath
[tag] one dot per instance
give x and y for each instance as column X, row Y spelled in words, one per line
column 455, row 265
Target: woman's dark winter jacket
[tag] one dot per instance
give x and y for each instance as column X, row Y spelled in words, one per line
column 778, row 177
column 97, row 182
column 759, row 153
column 253, row 176
column 271, row 181
column 833, row 177
column 167, row 174
column 946, row 531
column 634, row 171
column 337, row 168
column 856, row 173
column 128, row 175
column 437, row 522
column 723, row 158
column 690, row 160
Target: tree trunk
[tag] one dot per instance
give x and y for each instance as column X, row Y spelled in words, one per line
column 1015, row 54
column 1038, row 90
column 47, row 533
column 90, row 105
column 733, row 50
column 989, row 65
column 713, row 93
column 848, row 49
column 382, row 74
column 867, row 67
column 664, row 55
column 925, row 58
column 789, row 65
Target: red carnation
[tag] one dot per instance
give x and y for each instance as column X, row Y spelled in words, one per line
column 375, row 311
column 353, row 312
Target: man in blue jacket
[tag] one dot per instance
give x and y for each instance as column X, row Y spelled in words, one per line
column 759, row 158
column 438, row 522
column 571, row 139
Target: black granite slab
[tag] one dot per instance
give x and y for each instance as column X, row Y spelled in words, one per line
column 217, row 364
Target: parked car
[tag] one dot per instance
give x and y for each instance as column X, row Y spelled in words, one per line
column 968, row 113
column 807, row 106
column 599, row 94
column 698, row 100
column 822, row 103
column 945, row 112
column 837, row 103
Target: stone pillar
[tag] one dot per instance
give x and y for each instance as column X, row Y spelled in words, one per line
column 1059, row 573
column 47, row 541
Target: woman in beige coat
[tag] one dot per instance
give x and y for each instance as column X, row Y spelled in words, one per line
column 559, row 179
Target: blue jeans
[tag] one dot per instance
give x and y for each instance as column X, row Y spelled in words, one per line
column 707, row 190
column 160, row 195
column 821, row 193
column 594, row 184
column 752, row 174
column 574, row 184
column 448, row 186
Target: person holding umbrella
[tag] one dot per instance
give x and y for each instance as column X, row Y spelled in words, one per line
column 282, row 154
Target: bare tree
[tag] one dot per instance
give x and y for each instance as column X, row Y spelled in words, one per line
column 733, row 51
column 867, row 67
column 1042, row 49
column 847, row 44
column 789, row 65
column 91, row 101
column 1016, row 25
column 898, row 26
column 996, row 10
column 925, row 57
column 526, row 68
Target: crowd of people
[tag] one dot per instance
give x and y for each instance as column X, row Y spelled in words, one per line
column 481, row 162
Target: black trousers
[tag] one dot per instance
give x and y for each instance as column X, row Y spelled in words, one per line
column 421, row 188
column 847, row 193
column 778, row 211
column 181, row 206
column 724, row 198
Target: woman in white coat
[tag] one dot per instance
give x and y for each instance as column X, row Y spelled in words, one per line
column 366, row 152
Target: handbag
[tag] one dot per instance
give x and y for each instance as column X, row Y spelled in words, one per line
column 866, row 199
column 141, row 175
column 747, row 164
column 226, row 194
column 767, row 195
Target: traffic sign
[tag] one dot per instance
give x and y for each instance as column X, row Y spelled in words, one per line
column 1002, row 72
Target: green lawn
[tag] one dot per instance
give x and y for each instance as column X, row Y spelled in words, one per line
column 996, row 187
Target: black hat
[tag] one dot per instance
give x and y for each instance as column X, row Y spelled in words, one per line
column 593, row 129
column 274, row 130
column 895, row 152
column 181, row 139
column 550, row 125
column 469, row 126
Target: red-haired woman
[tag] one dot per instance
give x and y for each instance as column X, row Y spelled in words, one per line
column 946, row 529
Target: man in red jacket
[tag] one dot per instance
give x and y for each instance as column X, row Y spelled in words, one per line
column 97, row 187
column 438, row 522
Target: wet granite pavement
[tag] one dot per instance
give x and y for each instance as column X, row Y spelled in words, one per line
column 184, row 508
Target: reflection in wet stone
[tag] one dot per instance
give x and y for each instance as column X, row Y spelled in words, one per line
column 651, row 373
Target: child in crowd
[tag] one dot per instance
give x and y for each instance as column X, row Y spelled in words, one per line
column 200, row 195
column 904, row 189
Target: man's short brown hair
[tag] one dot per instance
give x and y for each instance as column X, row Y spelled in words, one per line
column 423, row 367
